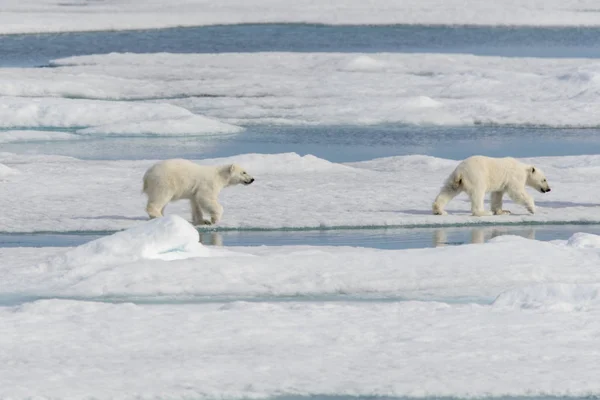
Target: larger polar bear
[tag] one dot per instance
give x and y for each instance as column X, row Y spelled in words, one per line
column 478, row 175
column 177, row 179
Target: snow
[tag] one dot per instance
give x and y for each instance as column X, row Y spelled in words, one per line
column 78, row 350
column 170, row 237
column 54, row 193
column 195, row 94
column 34, row 16
column 583, row 240
column 130, row 265
column 559, row 296
column 530, row 307
column 326, row 321
column 192, row 125
column 318, row 89
column 106, row 117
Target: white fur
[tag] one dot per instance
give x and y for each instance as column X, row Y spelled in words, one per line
column 479, row 175
column 172, row 180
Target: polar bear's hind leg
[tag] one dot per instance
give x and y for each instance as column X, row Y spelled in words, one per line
column 497, row 204
column 477, row 207
column 452, row 188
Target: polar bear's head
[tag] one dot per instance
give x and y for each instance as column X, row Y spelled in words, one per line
column 238, row 175
column 537, row 180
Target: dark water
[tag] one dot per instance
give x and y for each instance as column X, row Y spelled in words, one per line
column 390, row 238
column 333, row 143
column 45, row 239
column 39, row 49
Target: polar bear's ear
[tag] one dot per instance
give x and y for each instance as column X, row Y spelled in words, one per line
column 533, row 170
column 232, row 168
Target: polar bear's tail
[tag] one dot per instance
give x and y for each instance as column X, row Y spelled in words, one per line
column 145, row 186
column 456, row 181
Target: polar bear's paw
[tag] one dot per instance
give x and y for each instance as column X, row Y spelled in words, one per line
column 201, row 223
column 482, row 213
column 437, row 209
column 502, row 212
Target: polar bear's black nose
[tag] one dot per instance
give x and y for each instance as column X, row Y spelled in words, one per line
column 547, row 190
column 251, row 180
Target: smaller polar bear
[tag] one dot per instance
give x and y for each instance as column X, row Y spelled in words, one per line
column 176, row 179
column 478, row 175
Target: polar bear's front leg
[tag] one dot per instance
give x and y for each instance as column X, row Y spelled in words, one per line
column 213, row 208
column 156, row 208
column 477, row 208
column 216, row 214
column 497, row 204
column 196, row 213
column 521, row 197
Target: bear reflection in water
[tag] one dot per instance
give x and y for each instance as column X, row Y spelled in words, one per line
column 480, row 235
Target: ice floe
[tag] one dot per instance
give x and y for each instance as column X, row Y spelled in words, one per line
column 333, row 88
column 54, row 193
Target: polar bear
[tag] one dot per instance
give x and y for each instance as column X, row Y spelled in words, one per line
column 478, row 175
column 176, row 179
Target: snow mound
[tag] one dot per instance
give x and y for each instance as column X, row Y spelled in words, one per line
column 32, row 112
column 510, row 239
column 589, row 73
column 166, row 238
column 554, row 296
column 191, row 125
column 285, row 163
column 412, row 163
column 109, row 117
column 582, row 240
column 423, row 102
column 364, row 63
column 6, row 171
